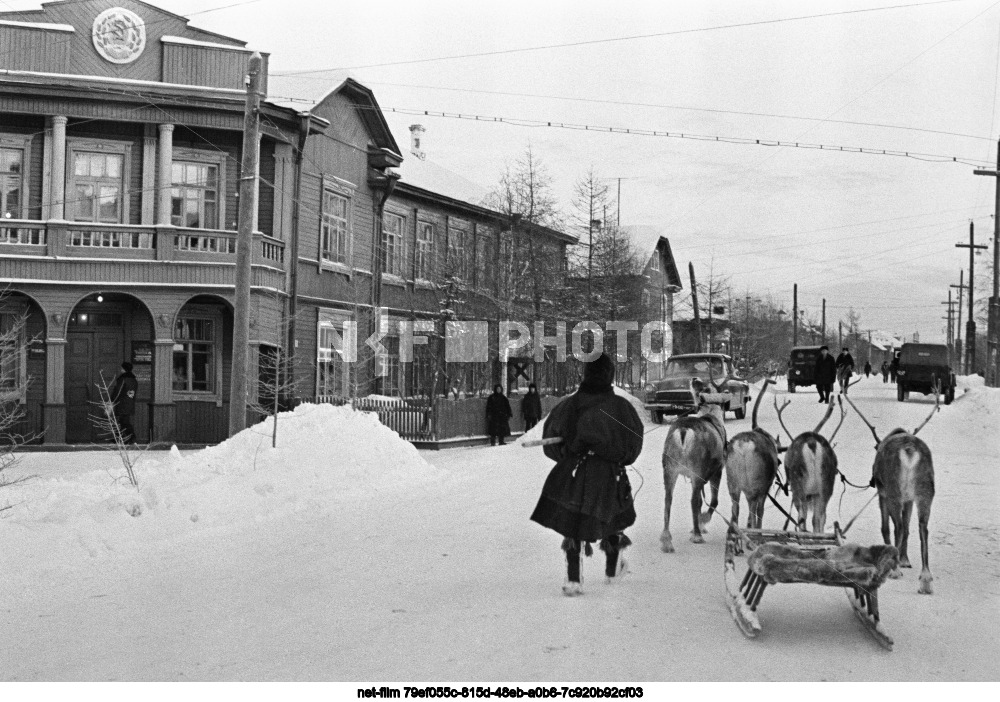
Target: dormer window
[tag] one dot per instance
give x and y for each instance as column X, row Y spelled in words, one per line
column 654, row 263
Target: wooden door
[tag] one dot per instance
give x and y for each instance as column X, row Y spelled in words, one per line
column 89, row 356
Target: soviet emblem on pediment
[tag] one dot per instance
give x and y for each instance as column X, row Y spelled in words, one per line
column 119, row 35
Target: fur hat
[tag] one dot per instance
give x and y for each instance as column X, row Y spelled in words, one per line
column 600, row 371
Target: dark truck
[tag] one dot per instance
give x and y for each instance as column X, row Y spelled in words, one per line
column 921, row 368
column 802, row 367
column 672, row 393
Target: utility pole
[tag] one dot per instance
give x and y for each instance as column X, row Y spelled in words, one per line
column 694, row 303
column 823, row 324
column 840, row 335
column 970, row 326
column 618, row 201
column 951, row 321
column 795, row 314
column 869, row 345
column 957, row 331
column 993, row 317
column 244, row 249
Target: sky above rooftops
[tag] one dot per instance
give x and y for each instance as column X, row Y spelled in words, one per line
column 874, row 232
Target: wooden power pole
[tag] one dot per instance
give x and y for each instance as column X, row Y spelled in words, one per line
column 244, row 250
column 970, row 326
column 957, row 331
column 795, row 314
column 822, row 327
column 694, row 303
column 993, row 317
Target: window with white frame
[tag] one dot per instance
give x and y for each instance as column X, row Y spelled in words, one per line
column 332, row 371
column 392, row 244
column 194, row 197
column 334, row 228
column 425, row 251
column 11, row 182
column 459, row 243
column 12, row 352
column 388, row 366
column 97, row 187
column 194, row 354
column 654, row 262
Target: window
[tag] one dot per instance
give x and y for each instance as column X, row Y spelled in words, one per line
column 334, row 228
column 12, row 351
column 194, row 355
column 665, row 311
column 96, row 195
column 654, row 263
column 486, row 251
column 332, row 371
column 388, row 366
column 194, row 197
column 457, row 260
column 392, row 244
column 11, row 177
column 425, row 251
column 645, row 298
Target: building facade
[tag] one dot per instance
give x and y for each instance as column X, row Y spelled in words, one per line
column 120, row 151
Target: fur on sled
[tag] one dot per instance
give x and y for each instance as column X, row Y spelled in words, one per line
column 845, row 566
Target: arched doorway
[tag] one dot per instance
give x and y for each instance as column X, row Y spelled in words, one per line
column 22, row 367
column 103, row 330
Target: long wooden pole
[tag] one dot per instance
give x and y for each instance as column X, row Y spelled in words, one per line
column 244, row 250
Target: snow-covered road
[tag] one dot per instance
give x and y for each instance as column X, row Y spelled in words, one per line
column 447, row 579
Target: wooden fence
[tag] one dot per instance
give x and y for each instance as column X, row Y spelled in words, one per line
column 423, row 421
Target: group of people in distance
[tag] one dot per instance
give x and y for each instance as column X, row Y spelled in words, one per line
column 499, row 414
column 828, row 371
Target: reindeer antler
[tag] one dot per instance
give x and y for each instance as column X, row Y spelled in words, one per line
column 937, row 407
column 829, row 411
column 760, row 396
column 843, row 413
column 780, row 420
column 869, row 424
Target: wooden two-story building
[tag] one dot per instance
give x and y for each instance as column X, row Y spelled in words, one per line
column 120, row 148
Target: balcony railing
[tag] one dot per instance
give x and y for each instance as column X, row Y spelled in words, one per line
column 131, row 242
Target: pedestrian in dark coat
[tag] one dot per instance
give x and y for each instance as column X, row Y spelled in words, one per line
column 845, row 368
column 885, row 371
column 825, row 373
column 894, row 368
column 531, row 407
column 498, row 416
column 868, row 368
column 122, row 395
column 587, row 495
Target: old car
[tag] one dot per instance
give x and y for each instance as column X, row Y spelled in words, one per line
column 924, row 368
column 802, row 366
column 672, row 393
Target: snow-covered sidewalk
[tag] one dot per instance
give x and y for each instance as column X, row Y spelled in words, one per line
column 339, row 563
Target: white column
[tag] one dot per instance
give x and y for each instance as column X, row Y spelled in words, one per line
column 165, row 162
column 256, row 190
column 57, row 188
column 149, row 198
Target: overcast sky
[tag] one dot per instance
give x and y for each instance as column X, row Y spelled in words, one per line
column 875, row 232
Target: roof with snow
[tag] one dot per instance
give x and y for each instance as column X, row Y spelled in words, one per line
column 433, row 177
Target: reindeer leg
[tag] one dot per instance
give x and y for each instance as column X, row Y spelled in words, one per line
column 707, row 516
column 923, row 517
column 907, row 512
column 758, row 511
column 735, row 521
column 892, row 513
column 666, row 540
column 696, row 486
column 883, row 508
column 819, row 514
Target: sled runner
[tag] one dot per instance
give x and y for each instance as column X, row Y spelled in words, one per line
column 801, row 557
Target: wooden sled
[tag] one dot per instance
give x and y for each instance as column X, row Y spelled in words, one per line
column 802, row 557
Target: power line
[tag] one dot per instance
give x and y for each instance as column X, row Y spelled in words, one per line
column 591, row 42
column 632, row 131
column 625, row 103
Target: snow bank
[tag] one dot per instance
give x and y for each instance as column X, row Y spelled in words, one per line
column 326, row 455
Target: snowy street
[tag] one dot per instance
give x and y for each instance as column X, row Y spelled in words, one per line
column 239, row 573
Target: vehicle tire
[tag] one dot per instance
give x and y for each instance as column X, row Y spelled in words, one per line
column 791, row 386
column 657, row 416
column 900, row 392
column 741, row 412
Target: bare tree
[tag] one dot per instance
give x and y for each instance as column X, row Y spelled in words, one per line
column 109, row 428
column 13, row 389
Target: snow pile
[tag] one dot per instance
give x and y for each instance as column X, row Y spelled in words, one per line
column 326, row 455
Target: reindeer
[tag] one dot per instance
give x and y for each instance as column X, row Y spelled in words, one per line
column 903, row 473
column 695, row 446
column 751, row 464
column 811, row 467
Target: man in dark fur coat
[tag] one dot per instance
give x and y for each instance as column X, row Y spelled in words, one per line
column 498, row 416
column 587, row 496
column 825, row 374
